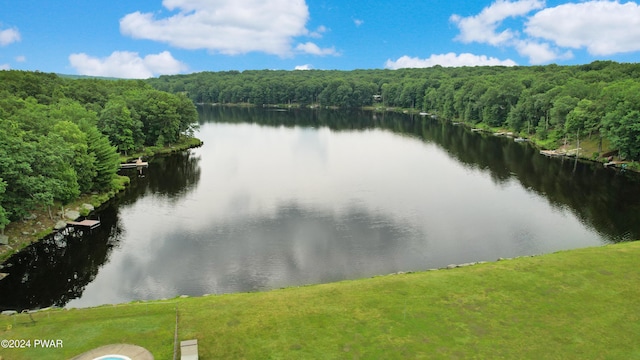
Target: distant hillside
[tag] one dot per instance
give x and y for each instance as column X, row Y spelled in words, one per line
column 69, row 76
column 552, row 103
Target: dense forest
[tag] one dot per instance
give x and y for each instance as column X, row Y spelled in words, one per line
column 62, row 137
column 598, row 100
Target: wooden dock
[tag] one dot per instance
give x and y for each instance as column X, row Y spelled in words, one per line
column 504, row 133
column 134, row 165
column 91, row 224
column 137, row 164
column 552, row 153
column 616, row 163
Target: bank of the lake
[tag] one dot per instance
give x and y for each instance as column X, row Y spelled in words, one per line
column 577, row 304
column 39, row 224
column 591, row 149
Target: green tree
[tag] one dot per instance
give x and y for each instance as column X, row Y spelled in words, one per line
column 4, row 216
column 16, row 157
column 622, row 119
column 32, row 116
column 584, row 118
column 188, row 115
column 116, row 122
column 56, row 178
column 624, row 133
column 562, row 106
column 83, row 163
column 106, row 157
column 71, row 110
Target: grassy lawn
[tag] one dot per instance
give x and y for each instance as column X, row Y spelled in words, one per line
column 580, row 304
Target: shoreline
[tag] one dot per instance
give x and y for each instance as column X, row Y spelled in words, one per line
column 22, row 233
column 569, row 150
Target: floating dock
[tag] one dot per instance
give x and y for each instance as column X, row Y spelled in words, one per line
column 134, row 165
column 137, row 164
column 91, row 224
column 552, row 153
column 504, row 133
column 616, row 163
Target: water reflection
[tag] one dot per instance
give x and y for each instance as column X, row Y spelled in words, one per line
column 602, row 199
column 57, row 269
column 168, row 176
column 293, row 246
column 280, row 198
column 608, row 201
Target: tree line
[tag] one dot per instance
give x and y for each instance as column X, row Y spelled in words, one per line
column 551, row 102
column 62, row 137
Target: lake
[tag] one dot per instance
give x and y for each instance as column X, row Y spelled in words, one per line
column 285, row 198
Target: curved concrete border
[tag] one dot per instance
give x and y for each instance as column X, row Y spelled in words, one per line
column 132, row 351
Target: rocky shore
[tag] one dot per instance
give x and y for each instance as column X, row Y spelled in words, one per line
column 39, row 224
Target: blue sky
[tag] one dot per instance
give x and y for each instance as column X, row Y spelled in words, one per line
column 141, row 39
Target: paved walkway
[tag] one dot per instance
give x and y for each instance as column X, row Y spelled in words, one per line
column 132, row 351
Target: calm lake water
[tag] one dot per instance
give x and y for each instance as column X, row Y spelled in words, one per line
column 285, row 198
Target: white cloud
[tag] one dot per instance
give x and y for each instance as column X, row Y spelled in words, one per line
column 602, row 27
column 540, row 53
column 358, row 22
column 5, row 67
column 447, row 60
column 313, row 49
column 125, row 64
column 483, row 28
column 318, row 32
column 21, row 58
column 304, row 67
column 9, row 36
column 224, row 26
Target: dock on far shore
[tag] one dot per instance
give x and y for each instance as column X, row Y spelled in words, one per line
column 574, row 152
column 136, row 164
column 553, row 153
column 622, row 164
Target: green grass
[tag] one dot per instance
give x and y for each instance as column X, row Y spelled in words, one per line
column 580, row 304
column 148, row 325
